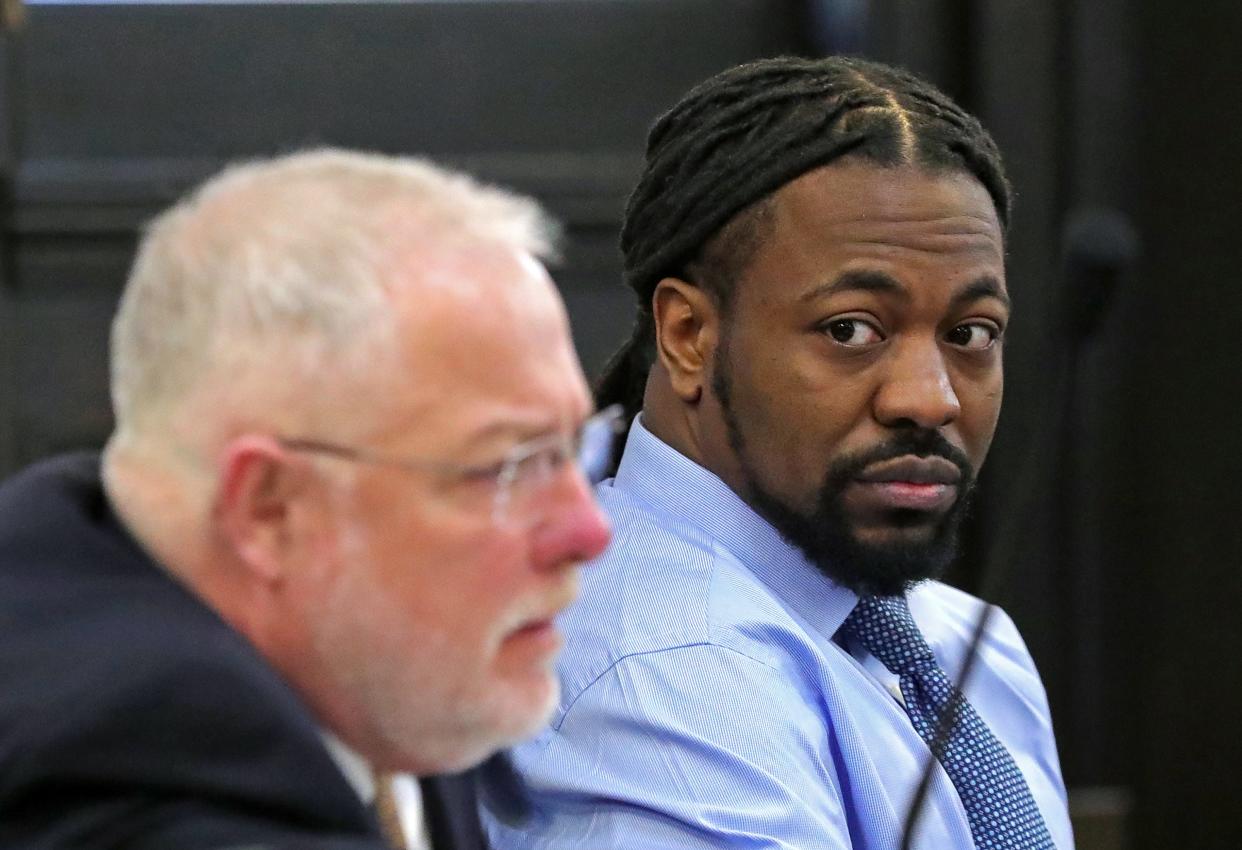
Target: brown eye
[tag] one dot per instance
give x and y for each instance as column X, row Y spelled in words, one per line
column 852, row 332
column 973, row 336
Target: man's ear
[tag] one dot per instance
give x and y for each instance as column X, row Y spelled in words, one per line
column 686, row 329
column 259, row 482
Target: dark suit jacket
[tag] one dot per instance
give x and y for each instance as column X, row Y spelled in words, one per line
column 132, row 716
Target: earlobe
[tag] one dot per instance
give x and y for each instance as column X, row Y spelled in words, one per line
column 253, row 507
column 685, row 333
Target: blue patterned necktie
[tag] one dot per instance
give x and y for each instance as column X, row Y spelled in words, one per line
column 999, row 806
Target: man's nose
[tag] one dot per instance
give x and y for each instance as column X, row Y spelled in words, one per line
column 577, row 530
column 917, row 389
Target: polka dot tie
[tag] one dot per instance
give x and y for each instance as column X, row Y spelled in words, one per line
column 999, row 807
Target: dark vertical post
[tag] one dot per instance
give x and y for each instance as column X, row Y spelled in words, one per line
column 1098, row 144
column 10, row 108
column 1016, row 90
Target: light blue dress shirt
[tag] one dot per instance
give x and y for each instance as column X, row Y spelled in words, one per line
column 704, row 702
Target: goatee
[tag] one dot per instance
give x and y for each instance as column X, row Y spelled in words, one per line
column 825, row 536
column 827, row 540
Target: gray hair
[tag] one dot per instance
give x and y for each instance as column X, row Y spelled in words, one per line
column 284, row 262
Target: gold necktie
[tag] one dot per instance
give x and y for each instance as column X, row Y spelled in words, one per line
column 386, row 812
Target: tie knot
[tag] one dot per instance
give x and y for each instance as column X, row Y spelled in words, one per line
column 884, row 625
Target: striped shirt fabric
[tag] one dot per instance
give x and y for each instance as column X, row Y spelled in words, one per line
column 707, row 700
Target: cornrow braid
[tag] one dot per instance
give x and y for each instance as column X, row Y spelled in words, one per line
column 714, row 160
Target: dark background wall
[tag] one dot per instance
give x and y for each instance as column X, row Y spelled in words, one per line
column 1174, row 536
column 110, row 111
column 1106, row 525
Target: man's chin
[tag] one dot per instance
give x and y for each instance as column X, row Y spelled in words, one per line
column 905, row 555
column 876, row 559
column 512, row 712
column 888, row 562
column 892, row 538
column 528, row 705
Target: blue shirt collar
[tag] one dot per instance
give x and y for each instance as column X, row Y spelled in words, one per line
column 672, row 485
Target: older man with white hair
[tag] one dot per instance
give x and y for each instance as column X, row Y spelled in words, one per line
column 326, row 543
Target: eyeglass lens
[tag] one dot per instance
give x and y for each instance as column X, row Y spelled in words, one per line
column 591, row 448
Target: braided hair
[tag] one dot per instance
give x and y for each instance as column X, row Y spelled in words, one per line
column 715, row 159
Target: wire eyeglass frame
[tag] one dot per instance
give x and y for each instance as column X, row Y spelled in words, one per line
column 527, row 466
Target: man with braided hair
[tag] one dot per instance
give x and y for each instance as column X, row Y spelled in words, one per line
column 763, row 657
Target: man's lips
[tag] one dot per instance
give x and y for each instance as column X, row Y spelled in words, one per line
column 535, row 626
column 538, row 625
column 538, row 636
column 909, row 469
column 927, row 484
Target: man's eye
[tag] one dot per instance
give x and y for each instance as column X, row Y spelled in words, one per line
column 853, row 332
column 973, row 336
column 488, row 473
column 539, row 466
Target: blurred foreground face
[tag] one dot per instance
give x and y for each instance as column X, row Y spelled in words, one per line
column 433, row 613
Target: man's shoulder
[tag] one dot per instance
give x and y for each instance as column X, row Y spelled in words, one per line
column 648, row 592
column 77, row 593
column 664, row 587
column 118, row 679
column 34, row 499
column 654, row 563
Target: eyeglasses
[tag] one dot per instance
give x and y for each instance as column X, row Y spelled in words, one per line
column 522, row 477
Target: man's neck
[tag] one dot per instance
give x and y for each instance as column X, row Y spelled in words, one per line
column 678, row 426
column 670, row 419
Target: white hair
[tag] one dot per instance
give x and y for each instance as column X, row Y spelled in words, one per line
column 279, row 270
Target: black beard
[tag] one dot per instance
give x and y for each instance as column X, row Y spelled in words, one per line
column 824, row 535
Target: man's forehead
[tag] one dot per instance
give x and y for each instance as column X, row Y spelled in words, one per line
column 475, row 301
column 455, row 275
column 854, row 194
column 486, row 347
column 854, row 221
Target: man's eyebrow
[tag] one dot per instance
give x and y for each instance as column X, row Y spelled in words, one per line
column 870, row 281
column 510, row 430
column 504, row 431
column 984, row 287
column 857, row 281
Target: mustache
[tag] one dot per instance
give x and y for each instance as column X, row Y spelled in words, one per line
column 922, row 443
